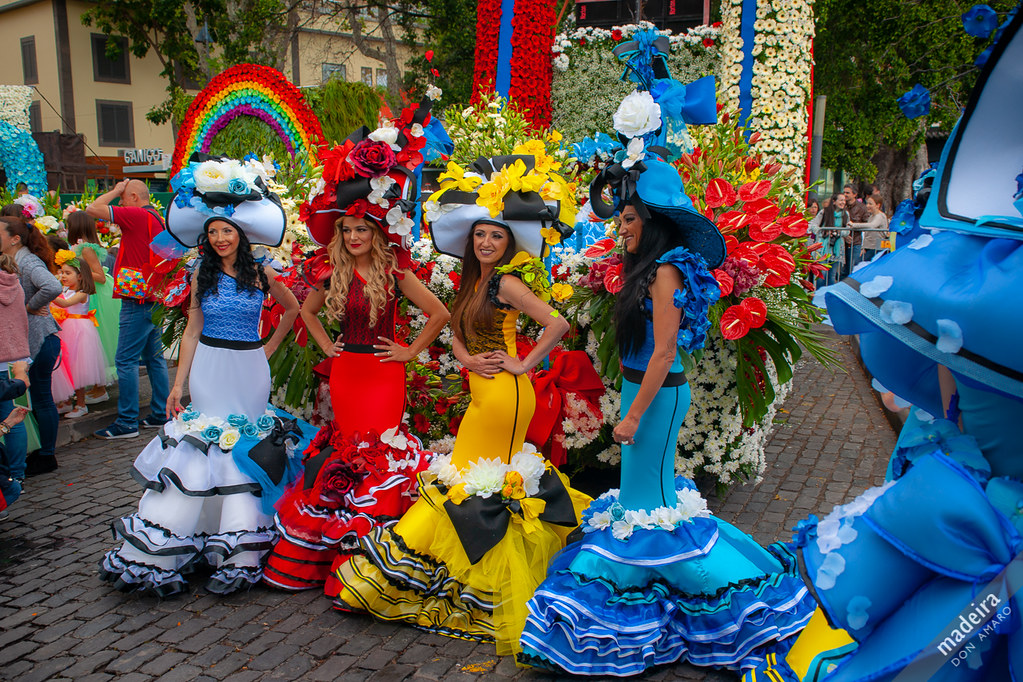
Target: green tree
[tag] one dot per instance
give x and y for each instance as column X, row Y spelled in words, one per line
column 448, row 27
column 870, row 53
column 239, row 31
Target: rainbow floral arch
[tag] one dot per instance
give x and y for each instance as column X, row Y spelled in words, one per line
column 249, row 90
column 21, row 158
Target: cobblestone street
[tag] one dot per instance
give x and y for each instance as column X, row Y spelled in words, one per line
column 58, row 621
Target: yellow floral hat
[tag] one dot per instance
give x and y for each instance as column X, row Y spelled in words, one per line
column 521, row 191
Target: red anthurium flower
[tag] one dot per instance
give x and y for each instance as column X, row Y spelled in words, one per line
column 761, row 211
column 725, row 281
column 778, row 264
column 794, row 225
column 599, row 248
column 732, row 221
column 746, row 253
column 757, row 311
column 731, row 243
column 735, row 322
column 765, row 233
column 752, row 191
column 720, row 193
column 613, row 280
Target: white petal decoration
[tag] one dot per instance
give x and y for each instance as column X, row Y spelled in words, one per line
column 896, row 312
column 921, row 242
column 950, row 337
column 876, row 286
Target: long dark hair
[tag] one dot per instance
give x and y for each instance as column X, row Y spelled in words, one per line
column 248, row 274
column 659, row 236
column 472, row 308
column 829, row 214
column 81, row 227
column 31, row 238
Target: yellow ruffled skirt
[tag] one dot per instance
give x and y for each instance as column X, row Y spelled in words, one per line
column 416, row 571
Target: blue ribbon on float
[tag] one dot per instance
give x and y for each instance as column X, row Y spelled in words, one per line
column 502, row 79
column 747, row 33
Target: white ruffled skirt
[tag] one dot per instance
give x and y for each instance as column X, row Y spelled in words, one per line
column 198, row 508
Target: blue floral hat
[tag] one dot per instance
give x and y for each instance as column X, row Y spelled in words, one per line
column 642, row 178
column 217, row 188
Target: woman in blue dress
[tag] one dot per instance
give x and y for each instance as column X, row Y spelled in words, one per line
column 656, row 578
column 213, row 473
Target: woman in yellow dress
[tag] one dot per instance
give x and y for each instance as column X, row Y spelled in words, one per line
column 467, row 556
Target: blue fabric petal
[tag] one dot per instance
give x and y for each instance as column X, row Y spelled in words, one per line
column 916, row 102
column 701, row 292
column 980, row 21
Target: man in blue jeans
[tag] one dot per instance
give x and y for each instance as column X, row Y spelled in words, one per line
column 138, row 337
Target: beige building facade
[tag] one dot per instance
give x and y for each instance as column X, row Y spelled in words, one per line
column 78, row 90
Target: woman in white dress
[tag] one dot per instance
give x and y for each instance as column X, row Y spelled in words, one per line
column 218, row 465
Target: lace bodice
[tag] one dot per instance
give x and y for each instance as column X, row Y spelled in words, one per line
column 355, row 325
column 230, row 314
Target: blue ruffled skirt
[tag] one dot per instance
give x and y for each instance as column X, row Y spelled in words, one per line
column 680, row 585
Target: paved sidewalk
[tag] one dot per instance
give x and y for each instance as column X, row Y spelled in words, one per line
column 57, row 620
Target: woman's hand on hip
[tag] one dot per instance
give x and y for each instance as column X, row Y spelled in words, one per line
column 510, row 364
column 486, row 365
column 391, row 351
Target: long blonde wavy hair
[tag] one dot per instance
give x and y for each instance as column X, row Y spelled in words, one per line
column 379, row 279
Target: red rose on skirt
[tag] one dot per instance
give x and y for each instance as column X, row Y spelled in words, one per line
column 372, row 159
column 336, row 480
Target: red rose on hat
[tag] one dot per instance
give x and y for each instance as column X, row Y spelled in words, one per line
column 372, row 159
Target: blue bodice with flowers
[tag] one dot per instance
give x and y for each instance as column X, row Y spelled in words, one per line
column 700, row 291
column 231, row 314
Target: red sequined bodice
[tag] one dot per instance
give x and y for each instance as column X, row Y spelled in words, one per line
column 355, row 325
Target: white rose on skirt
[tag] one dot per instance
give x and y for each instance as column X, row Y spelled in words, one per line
column 637, row 115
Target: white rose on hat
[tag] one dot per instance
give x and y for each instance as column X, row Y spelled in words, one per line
column 637, row 115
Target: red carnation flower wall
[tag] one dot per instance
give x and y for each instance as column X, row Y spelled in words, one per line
column 531, row 68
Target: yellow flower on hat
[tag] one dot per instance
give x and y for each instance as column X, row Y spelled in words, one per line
column 491, row 195
column 550, row 235
column 521, row 181
column 454, row 178
column 535, row 147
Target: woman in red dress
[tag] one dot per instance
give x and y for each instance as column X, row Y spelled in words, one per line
column 361, row 469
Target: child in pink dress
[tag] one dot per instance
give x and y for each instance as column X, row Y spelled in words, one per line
column 83, row 363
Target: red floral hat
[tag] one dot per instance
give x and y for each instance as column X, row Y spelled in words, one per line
column 371, row 174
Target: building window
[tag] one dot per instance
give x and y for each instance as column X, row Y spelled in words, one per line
column 104, row 68
column 114, row 120
column 337, row 71
column 35, row 117
column 367, row 76
column 28, row 60
column 382, row 77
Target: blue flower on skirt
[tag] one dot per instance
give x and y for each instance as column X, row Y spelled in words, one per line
column 250, row 431
column 265, row 422
column 916, row 102
column 188, row 415
column 211, row 434
column 237, row 420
